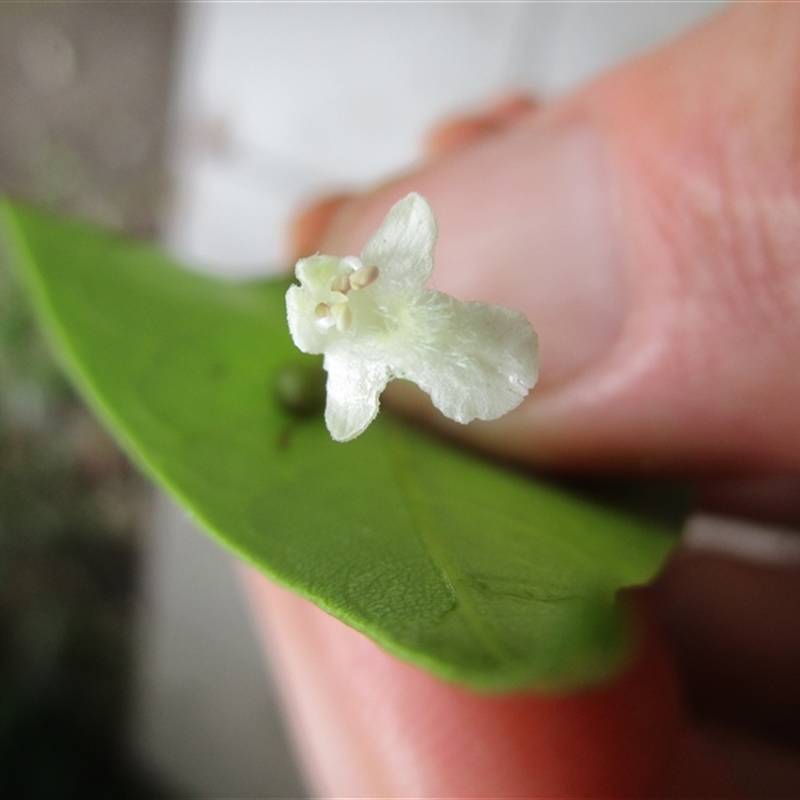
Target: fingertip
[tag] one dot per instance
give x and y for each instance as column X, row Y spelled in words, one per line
column 511, row 107
column 455, row 134
column 461, row 131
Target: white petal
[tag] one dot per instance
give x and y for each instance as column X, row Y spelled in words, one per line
column 300, row 305
column 354, row 386
column 317, row 271
column 484, row 365
column 402, row 247
column 315, row 275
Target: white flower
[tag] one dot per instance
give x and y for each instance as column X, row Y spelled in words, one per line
column 375, row 320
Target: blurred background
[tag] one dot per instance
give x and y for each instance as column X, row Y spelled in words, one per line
column 128, row 667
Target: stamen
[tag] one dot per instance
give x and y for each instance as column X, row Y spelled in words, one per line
column 342, row 316
column 324, row 319
column 341, row 283
column 364, row 277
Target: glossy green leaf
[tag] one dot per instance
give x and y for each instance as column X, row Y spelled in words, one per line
column 468, row 568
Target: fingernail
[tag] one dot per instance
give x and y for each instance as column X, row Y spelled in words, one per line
column 540, row 235
column 526, row 219
column 579, row 286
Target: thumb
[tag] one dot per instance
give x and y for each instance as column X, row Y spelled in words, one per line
column 649, row 227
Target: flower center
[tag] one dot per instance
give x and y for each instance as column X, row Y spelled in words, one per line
column 340, row 315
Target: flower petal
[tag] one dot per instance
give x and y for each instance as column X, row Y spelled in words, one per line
column 317, row 271
column 354, row 386
column 374, row 320
column 402, row 247
column 484, row 366
column 301, row 318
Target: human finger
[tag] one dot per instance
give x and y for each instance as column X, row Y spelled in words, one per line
column 648, row 225
column 368, row 725
column 457, row 132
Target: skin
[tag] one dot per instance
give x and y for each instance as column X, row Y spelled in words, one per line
column 649, row 226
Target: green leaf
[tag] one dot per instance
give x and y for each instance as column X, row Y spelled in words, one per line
column 475, row 571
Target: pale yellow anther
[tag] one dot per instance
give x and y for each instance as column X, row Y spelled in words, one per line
column 342, row 315
column 341, row 283
column 322, row 310
column 364, row 277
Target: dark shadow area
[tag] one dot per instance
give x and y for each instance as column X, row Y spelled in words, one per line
column 84, row 88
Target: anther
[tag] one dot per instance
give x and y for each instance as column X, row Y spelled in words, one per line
column 324, row 319
column 364, row 277
column 342, row 315
column 341, row 283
